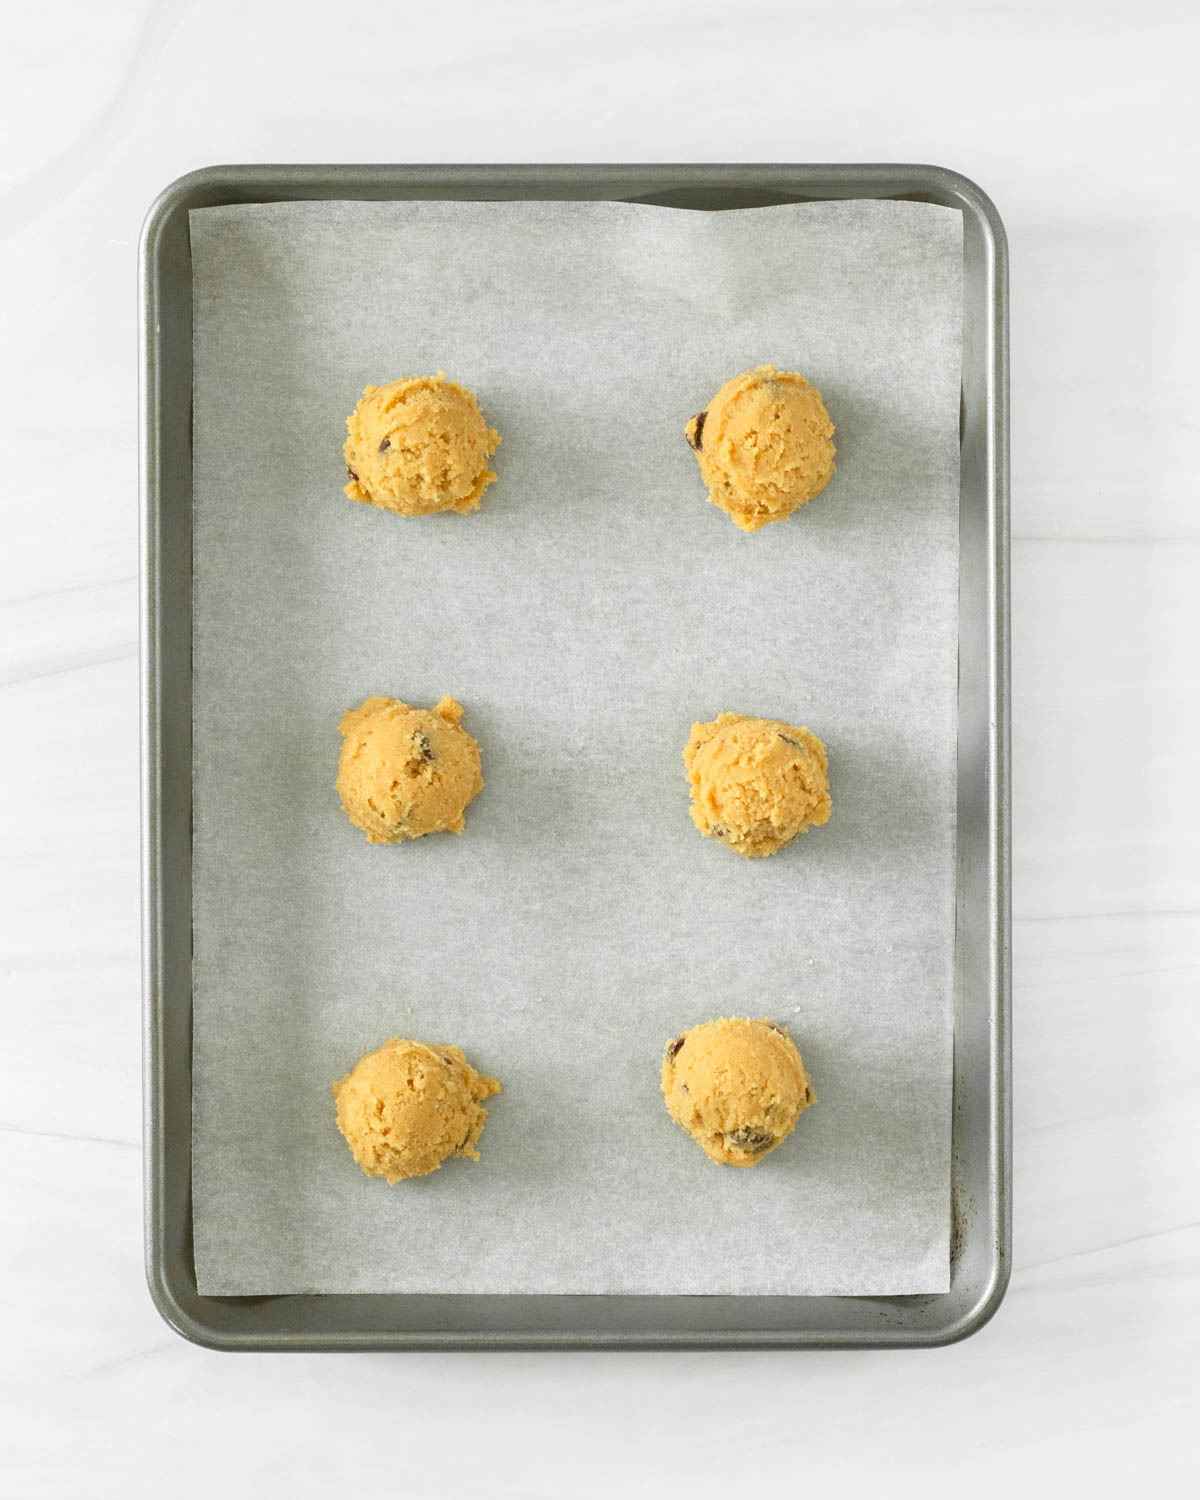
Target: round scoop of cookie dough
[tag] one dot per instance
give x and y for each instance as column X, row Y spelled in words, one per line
column 419, row 446
column 737, row 1087
column 406, row 1107
column 405, row 772
column 764, row 445
column 756, row 783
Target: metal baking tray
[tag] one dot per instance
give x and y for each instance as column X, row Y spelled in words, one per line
column 981, row 1155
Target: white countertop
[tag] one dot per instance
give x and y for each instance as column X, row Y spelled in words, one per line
column 1081, row 122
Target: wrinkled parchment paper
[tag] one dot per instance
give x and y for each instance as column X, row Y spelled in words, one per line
column 593, row 608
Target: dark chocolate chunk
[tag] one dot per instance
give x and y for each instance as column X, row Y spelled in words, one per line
column 749, row 1139
column 384, row 446
column 787, row 740
column 673, row 1047
column 350, row 474
column 422, row 746
column 718, row 832
column 695, row 436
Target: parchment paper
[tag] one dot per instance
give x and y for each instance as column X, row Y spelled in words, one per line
column 593, row 608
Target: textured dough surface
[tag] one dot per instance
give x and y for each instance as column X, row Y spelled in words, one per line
column 419, row 446
column 756, row 783
column 405, row 772
column 764, row 445
column 737, row 1087
column 406, row 1107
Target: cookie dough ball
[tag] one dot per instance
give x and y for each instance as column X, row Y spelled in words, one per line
column 764, row 445
column 736, row 1087
column 756, row 783
column 405, row 772
column 406, row 1107
column 419, row 446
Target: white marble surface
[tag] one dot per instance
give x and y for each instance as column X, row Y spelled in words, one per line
column 1081, row 120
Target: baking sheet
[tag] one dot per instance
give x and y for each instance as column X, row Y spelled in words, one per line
column 592, row 609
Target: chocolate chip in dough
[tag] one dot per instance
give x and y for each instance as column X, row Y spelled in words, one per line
column 384, row 446
column 695, row 437
column 749, row 1139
